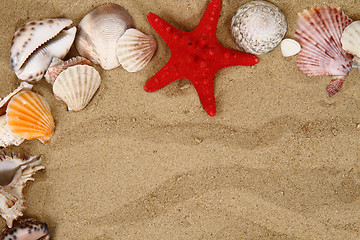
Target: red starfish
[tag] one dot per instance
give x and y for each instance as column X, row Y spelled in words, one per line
column 196, row 55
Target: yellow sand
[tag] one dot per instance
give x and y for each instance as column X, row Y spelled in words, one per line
column 280, row 160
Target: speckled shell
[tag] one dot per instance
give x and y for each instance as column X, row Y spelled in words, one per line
column 76, row 86
column 15, row 171
column 135, row 50
column 36, row 65
column 319, row 32
column 31, row 36
column 258, row 27
column 26, row 229
column 99, row 31
column 57, row 66
column 28, row 115
column 350, row 39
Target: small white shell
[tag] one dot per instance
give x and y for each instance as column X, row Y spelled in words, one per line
column 36, row 65
column 258, row 27
column 99, row 32
column 57, row 66
column 135, row 50
column 350, row 39
column 14, row 173
column 289, row 47
column 76, row 86
column 31, row 36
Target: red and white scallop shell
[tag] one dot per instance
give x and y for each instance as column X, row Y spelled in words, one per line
column 319, row 32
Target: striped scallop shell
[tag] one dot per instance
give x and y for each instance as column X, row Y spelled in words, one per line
column 76, row 86
column 135, row 49
column 99, row 31
column 350, row 39
column 319, row 32
column 28, row 115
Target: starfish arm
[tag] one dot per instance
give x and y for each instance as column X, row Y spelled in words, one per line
column 167, row 32
column 210, row 18
column 166, row 75
column 206, row 96
column 235, row 58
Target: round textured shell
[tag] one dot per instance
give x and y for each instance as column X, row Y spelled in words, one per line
column 350, row 39
column 28, row 115
column 76, row 86
column 31, row 36
column 99, row 31
column 135, row 50
column 319, row 32
column 258, row 27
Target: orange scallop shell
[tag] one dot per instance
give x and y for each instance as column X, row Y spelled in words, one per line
column 28, row 115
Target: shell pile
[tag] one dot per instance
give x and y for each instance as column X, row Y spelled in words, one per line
column 258, row 27
column 26, row 229
column 100, row 40
column 319, row 32
column 36, row 43
column 14, row 173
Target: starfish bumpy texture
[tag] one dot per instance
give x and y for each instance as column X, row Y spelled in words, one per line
column 196, row 55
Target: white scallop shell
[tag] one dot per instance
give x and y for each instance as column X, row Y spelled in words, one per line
column 99, row 32
column 350, row 39
column 258, row 27
column 289, row 47
column 8, row 138
column 76, row 86
column 319, row 32
column 31, row 36
column 14, row 173
column 135, row 50
column 57, row 66
column 36, row 65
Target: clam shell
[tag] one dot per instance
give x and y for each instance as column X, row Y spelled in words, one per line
column 8, row 138
column 27, row 229
column 76, row 86
column 31, row 36
column 350, row 39
column 135, row 50
column 258, row 27
column 4, row 102
column 319, row 32
column 28, row 115
column 289, row 47
column 57, row 66
column 99, row 32
column 15, row 171
column 36, row 65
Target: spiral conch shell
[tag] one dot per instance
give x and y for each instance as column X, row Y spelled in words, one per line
column 258, row 27
column 99, row 31
column 14, row 173
column 28, row 115
column 36, row 43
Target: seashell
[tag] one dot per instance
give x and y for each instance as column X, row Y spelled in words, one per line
column 15, row 171
column 7, row 138
column 99, row 32
column 258, row 27
column 35, row 66
column 135, row 49
column 289, row 47
column 57, row 66
column 28, row 115
column 31, row 36
column 4, row 102
column 319, row 32
column 76, row 86
column 350, row 39
column 27, row 229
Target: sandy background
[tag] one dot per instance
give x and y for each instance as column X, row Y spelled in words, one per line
column 280, row 160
